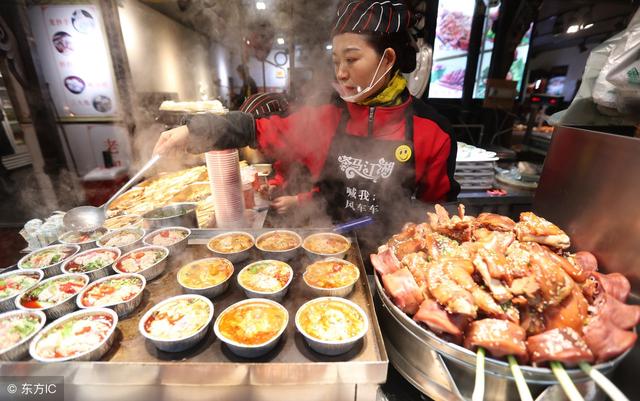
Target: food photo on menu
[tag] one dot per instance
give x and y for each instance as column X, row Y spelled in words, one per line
column 63, row 42
column 74, row 84
column 83, row 21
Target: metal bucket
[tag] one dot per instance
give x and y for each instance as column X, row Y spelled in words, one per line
column 176, row 214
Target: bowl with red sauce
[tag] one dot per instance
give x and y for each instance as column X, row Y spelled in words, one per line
column 54, row 296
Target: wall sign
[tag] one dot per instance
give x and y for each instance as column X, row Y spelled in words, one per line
column 75, row 60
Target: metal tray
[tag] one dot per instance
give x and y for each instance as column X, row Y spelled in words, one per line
column 210, row 369
column 444, row 370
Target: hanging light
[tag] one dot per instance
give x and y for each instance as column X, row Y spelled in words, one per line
column 260, row 5
column 280, row 41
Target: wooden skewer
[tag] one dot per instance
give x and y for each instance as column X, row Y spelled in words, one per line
column 565, row 381
column 521, row 383
column 478, row 390
column 601, row 380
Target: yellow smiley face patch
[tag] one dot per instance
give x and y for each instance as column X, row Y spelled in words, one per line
column 403, row 153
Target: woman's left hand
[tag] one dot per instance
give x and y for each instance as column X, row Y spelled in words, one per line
column 284, row 204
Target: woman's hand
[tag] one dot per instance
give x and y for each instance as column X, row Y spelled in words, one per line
column 175, row 138
column 284, row 204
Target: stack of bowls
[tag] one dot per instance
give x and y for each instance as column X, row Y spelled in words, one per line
column 223, row 167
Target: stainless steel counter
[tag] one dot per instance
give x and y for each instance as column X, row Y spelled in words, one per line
column 135, row 369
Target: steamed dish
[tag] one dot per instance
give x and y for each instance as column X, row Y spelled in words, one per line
column 92, row 260
column 74, row 336
column 168, row 237
column 15, row 328
column 77, row 237
column 326, row 244
column 47, row 257
column 122, row 238
column 278, row 241
column 52, row 292
column 331, row 320
column 265, row 276
column 112, row 291
column 16, row 283
column 231, row 243
column 205, row 273
column 252, row 323
column 139, row 260
column 331, row 274
column 177, row 319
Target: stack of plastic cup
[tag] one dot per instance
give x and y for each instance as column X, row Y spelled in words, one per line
column 223, row 167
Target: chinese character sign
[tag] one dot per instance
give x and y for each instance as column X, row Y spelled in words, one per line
column 75, row 59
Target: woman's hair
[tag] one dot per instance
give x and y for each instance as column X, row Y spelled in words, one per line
column 400, row 42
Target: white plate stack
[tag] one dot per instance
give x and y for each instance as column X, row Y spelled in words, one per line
column 474, row 168
column 223, row 167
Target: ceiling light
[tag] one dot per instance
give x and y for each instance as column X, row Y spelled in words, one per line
column 280, row 41
column 329, row 47
column 587, row 26
column 573, row 29
column 260, row 5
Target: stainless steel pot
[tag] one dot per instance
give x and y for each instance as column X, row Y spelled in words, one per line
column 177, row 214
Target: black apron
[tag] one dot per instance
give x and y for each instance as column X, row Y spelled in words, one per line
column 365, row 176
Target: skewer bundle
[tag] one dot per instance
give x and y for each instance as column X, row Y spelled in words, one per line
column 509, row 290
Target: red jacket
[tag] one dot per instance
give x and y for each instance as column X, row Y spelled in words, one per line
column 305, row 136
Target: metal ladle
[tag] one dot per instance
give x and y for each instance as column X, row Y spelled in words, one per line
column 89, row 218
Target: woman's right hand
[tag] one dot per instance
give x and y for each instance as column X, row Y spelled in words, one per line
column 175, row 138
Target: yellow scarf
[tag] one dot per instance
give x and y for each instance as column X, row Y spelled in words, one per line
column 389, row 96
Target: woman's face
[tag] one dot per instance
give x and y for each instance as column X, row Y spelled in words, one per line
column 355, row 62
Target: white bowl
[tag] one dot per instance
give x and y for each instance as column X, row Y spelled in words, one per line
column 284, row 255
column 234, row 257
column 273, row 295
column 251, row 351
column 90, row 355
column 332, row 347
column 315, row 255
column 122, row 308
column 342, row 291
column 177, row 344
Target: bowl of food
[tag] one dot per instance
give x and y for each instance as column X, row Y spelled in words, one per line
column 123, row 221
column 177, row 323
column 174, row 238
column 54, row 296
column 234, row 245
column 122, row 293
column 331, row 277
column 326, row 245
column 149, row 261
column 85, row 335
column 126, row 239
column 85, row 240
column 14, row 283
column 331, row 325
column 207, row 277
column 279, row 244
column 252, row 328
column 95, row 263
column 174, row 215
column 48, row 259
column 17, row 328
column 266, row 279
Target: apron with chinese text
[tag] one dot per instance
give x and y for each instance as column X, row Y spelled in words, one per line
column 365, row 176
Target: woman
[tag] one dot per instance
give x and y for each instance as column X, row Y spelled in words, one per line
column 373, row 150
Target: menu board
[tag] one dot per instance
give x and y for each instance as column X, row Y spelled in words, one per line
column 75, row 60
column 486, row 51
column 450, row 49
column 518, row 67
